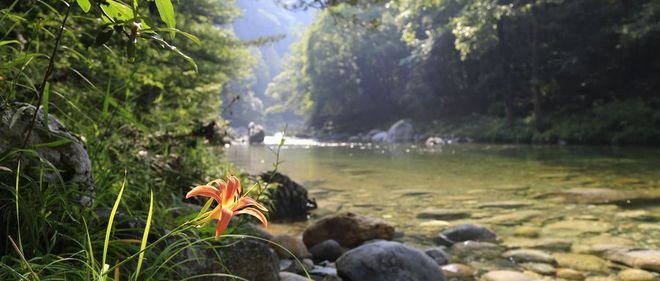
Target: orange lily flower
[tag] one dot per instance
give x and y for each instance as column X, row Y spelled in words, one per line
column 229, row 203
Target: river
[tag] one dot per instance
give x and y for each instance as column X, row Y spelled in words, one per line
column 495, row 185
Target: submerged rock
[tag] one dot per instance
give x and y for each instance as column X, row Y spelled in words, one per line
column 288, row 276
column 570, row 274
column 636, row 275
column 505, row 204
column 506, row 275
column 465, row 232
column 552, row 244
column 529, row 255
column 645, row 259
column 443, row 214
column 572, row 228
column 349, row 229
column 387, row 261
column 604, row 196
column 457, row 271
column 581, row 262
column 469, row 251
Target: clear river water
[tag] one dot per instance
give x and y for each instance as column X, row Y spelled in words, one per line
column 495, row 185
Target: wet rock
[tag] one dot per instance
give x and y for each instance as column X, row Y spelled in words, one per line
column 349, row 229
column 529, row 255
column 552, row 244
column 540, row 268
column 438, row 254
column 293, row 266
column 400, row 132
column 570, row 274
column 465, row 232
column 469, row 251
column 645, row 259
column 457, row 271
column 506, row 275
column 636, row 275
column 605, row 196
column 290, row 200
column 443, row 214
column 600, row 278
column 639, row 215
column 387, row 261
column 290, row 243
column 505, row 204
column 70, row 158
column 288, row 276
column 256, row 133
column 572, row 228
column 328, row 250
column 581, row 262
column 527, row 231
column 325, row 274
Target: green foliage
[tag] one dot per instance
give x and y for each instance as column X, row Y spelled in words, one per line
column 134, row 99
column 524, row 62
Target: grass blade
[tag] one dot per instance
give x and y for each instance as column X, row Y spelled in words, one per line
column 18, row 217
column 111, row 220
column 143, row 245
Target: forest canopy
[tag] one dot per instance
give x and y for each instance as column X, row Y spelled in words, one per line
column 538, row 71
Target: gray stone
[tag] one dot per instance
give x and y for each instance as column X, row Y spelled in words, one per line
column 69, row 158
column 400, row 132
column 443, row 214
column 249, row 259
column 387, row 261
column 328, row 250
column 465, row 232
column 438, row 254
column 290, row 201
column 256, row 133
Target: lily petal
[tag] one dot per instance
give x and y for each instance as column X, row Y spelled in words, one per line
column 223, row 222
column 247, row 202
column 233, row 188
column 205, row 190
column 254, row 212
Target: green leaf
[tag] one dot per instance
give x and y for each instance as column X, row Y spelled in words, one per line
column 53, row 143
column 103, row 37
column 84, row 5
column 166, row 12
column 116, row 11
column 46, row 95
column 7, row 42
column 108, row 229
column 145, row 235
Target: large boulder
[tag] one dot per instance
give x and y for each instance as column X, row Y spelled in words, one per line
column 69, row 157
column 349, row 229
column 387, row 261
column 248, row 259
column 256, row 133
column 401, row 132
column 289, row 199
